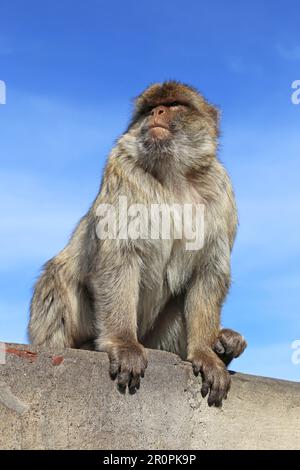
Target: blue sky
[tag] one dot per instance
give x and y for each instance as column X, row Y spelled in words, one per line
column 71, row 70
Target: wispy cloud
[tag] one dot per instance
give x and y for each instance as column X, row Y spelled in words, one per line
column 240, row 66
column 34, row 222
column 5, row 46
column 264, row 301
column 42, row 143
column 273, row 360
column 13, row 321
column 52, row 145
column 291, row 53
column 267, row 194
column 49, row 131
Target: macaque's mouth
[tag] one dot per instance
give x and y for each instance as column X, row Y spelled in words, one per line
column 159, row 132
column 159, row 126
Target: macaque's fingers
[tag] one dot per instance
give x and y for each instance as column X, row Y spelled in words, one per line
column 123, row 379
column 114, row 368
column 207, row 382
column 229, row 345
column 215, row 377
column 128, row 362
column 134, row 383
column 219, row 389
column 218, row 347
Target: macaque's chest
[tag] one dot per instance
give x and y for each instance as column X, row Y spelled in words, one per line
column 168, row 261
column 173, row 236
column 167, row 274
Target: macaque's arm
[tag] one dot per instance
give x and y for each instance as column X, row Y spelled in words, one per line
column 203, row 304
column 115, row 290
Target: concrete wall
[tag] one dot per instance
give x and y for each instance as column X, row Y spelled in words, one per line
column 66, row 400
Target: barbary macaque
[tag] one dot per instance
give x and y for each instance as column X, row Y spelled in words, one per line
column 124, row 294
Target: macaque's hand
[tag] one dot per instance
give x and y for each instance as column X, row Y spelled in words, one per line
column 128, row 362
column 215, row 377
column 229, row 345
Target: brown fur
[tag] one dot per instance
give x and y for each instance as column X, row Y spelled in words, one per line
column 125, row 294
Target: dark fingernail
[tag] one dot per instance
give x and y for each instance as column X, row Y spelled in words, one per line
column 219, row 349
column 122, row 388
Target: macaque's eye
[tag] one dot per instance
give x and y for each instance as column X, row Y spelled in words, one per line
column 169, row 104
column 173, row 104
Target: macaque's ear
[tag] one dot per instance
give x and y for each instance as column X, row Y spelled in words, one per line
column 215, row 114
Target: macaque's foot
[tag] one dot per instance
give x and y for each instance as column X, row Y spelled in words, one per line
column 229, row 345
column 128, row 362
column 215, row 377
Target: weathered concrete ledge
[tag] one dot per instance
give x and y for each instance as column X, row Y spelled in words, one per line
column 66, row 400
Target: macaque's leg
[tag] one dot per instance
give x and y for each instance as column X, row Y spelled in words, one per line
column 54, row 313
column 169, row 334
column 169, row 331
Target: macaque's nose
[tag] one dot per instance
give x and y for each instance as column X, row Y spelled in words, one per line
column 158, row 111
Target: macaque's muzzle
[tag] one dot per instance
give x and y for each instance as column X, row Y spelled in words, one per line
column 160, row 122
column 159, row 132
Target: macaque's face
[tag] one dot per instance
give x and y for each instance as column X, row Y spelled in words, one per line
column 163, row 120
column 174, row 118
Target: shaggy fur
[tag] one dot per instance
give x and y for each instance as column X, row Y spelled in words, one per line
column 126, row 294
